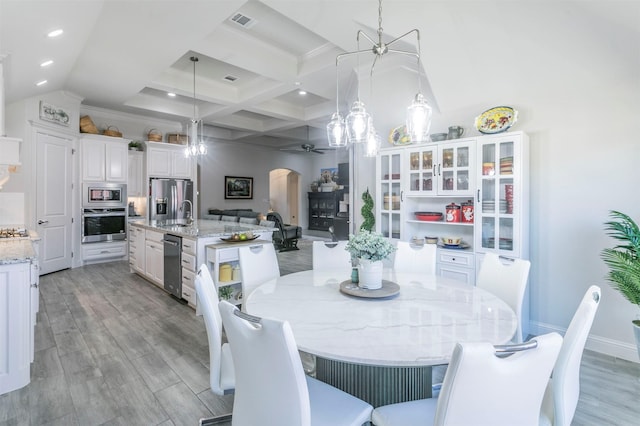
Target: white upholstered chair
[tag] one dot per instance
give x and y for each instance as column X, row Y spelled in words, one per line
column 561, row 397
column 506, row 279
column 271, row 387
column 221, row 374
column 483, row 387
column 415, row 258
column 258, row 264
column 330, row 255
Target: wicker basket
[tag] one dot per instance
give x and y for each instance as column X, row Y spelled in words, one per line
column 177, row 138
column 109, row 131
column 87, row 126
column 154, row 136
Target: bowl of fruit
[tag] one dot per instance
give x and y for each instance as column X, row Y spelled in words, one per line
column 238, row 237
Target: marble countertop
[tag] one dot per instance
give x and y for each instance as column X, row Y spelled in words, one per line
column 204, row 228
column 16, row 250
column 418, row 327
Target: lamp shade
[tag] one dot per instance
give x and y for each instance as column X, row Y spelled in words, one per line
column 419, row 119
column 358, row 123
column 336, row 132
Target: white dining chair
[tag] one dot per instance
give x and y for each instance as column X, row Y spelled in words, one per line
column 221, row 371
column 330, row 255
column 258, row 264
column 561, row 397
column 271, row 387
column 415, row 258
column 484, row 385
column 507, row 279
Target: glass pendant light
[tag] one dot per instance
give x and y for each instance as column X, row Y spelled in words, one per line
column 419, row 119
column 195, row 145
column 336, row 131
column 372, row 143
column 358, row 123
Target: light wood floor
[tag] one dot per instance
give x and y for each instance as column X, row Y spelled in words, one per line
column 113, row 349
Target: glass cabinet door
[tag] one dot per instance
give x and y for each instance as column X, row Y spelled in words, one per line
column 455, row 171
column 497, row 194
column 422, row 165
column 389, row 216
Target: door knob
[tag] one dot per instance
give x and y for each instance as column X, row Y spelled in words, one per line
column 42, row 222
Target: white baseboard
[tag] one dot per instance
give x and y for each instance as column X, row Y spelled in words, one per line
column 599, row 344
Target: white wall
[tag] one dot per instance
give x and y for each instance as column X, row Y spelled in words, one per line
column 578, row 98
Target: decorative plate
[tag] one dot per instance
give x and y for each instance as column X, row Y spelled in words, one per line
column 231, row 240
column 496, row 120
column 399, row 136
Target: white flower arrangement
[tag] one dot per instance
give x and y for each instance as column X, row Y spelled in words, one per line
column 369, row 245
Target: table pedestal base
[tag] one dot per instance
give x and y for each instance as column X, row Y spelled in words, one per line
column 375, row 384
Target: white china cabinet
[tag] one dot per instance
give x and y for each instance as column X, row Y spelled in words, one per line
column 502, row 198
column 485, row 177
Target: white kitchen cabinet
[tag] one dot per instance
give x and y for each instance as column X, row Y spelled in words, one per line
column 104, row 252
column 225, row 256
column 104, row 159
column 441, row 169
column 189, row 270
column 167, row 160
column 154, row 257
column 135, row 181
column 16, row 326
column 136, row 240
column 389, row 193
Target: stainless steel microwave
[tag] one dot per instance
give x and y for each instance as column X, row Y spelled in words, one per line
column 101, row 194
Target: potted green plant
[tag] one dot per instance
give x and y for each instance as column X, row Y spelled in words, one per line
column 623, row 261
column 370, row 248
column 135, row 146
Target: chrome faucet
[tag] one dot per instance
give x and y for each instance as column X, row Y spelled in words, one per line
column 190, row 216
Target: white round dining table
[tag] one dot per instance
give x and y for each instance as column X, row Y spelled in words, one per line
column 402, row 336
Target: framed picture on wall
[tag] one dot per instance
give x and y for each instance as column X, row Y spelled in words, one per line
column 238, row 188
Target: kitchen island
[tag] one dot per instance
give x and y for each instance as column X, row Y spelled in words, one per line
column 18, row 308
column 146, row 248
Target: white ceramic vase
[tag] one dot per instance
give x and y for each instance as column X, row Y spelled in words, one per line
column 370, row 274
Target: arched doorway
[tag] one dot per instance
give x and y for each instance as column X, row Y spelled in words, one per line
column 284, row 194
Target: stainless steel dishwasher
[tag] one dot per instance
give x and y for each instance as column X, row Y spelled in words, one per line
column 172, row 266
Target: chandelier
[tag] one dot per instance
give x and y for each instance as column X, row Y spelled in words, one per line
column 195, row 145
column 357, row 127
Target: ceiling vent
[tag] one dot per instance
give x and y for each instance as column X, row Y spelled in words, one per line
column 243, row 20
column 230, row 78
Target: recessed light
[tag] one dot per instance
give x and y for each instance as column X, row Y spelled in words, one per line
column 302, row 92
column 171, row 94
column 55, row 33
column 40, row 83
column 46, row 63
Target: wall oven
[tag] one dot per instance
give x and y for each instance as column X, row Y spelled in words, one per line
column 108, row 224
column 104, row 195
column 104, row 215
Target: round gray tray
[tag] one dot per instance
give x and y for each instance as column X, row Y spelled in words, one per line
column 388, row 289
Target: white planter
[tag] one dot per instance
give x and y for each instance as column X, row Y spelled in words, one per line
column 370, row 274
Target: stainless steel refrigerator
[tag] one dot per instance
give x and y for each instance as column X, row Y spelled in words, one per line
column 170, row 201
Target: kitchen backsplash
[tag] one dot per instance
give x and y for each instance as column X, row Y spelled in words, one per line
column 12, row 209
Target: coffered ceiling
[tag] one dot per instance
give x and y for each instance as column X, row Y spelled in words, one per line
column 126, row 55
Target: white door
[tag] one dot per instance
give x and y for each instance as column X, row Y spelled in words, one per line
column 54, row 201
